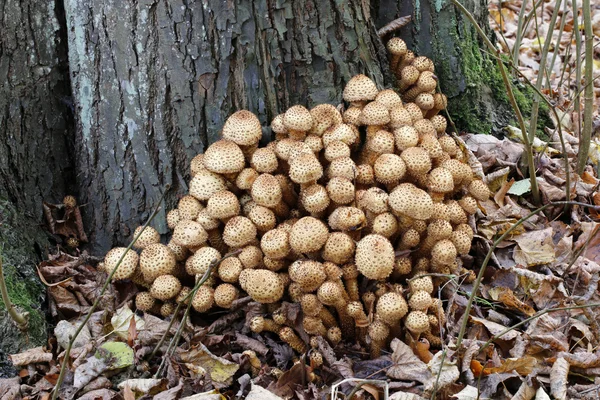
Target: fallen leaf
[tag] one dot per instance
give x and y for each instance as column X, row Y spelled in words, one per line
column 171, row 394
column 64, row 330
column 260, row 393
column 128, row 393
column 519, row 188
column 406, row 365
column 121, row 321
column 405, row 396
column 495, row 328
column 100, row 394
column 443, row 370
column 212, row 395
column 542, row 395
column 220, row 370
column 10, row 389
column 508, row 298
column 559, row 375
column 117, row 355
column 31, row 356
column 88, row 371
column 522, row 366
column 534, row 248
column 468, row 393
column 144, row 386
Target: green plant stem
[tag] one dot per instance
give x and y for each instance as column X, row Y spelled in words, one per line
column 586, row 131
column 535, row 192
column 519, row 34
column 63, row 367
column 537, row 315
column 577, row 33
column 488, row 256
column 563, row 20
column 21, row 320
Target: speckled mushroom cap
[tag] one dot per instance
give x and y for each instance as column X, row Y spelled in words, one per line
column 399, row 117
column 461, row 241
column 479, row 190
column 246, row 178
column 375, row 200
column 375, row 113
column 343, row 132
column 417, row 160
column 339, row 248
column 165, row 287
column 298, row 118
column 173, row 218
column 199, row 262
column 388, row 98
column 225, row 294
column 439, row 229
column 266, row 191
column 311, row 305
column 440, row 180
column 305, row 168
column 389, row 168
column 308, row 274
column 430, row 143
column 331, row 294
column 360, row 88
column 264, row 160
column 324, row 117
column 343, row 167
column 230, row 269
column 385, row 224
column 346, row 219
column 439, row 123
column 469, row 204
column 189, row 234
column 375, row 257
column 239, row 231
column 262, row 285
column 340, row 190
column 421, row 283
column 396, row 46
column 307, row 235
column 417, row 322
column 420, row 300
column 314, row 198
column 189, row 207
column 456, row 214
column 275, row 244
column 243, row 128
column 443, row 252
column 336, row 149
column 381, row 142
column 251, row 256
column 144, row 301
column 223, row 205
column 365, row 174
column 205, row 184
column 207, row 222
column 352, row 115
column 204, row 298
column 148, row 236
column 178, row 251
column 224, row 157
column 155, row 260
column 126, row 268
column 408, row 200
column 263, row 218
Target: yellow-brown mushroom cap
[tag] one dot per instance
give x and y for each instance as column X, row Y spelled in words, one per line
column 307, row 235
column 305, row 168
column 406, row 199
column 165, row 287
column 205, row 183
column 155, row 260
column 298, row 118
column 225, row 294
column 243, row 128
column 223, row 205
column 189, row 234
column 148, row 236
column 375, row 113
column 224, row 157
column 391, row 307
column 266, row 191
column 375, row 257
column 239, row 231
column 127, row 267
column 360, row 88
column 308, row 274
column 262, row 285
column 199, row 262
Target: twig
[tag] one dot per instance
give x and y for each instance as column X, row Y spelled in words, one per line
column 519, row 33
column 586, row 132
column 488, row 256
column 577, row 103
column 21, row 319
column 393, row 26
column 63, row 367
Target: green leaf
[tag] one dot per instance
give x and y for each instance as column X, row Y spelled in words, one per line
column 116, row 354
column 519, row 188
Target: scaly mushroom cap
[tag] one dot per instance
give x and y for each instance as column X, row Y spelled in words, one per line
column 148, row 236
column 307, row 235
column 243, row 128
column 330, row 293
column 388, row 98
column 340, row 190
column 203, row 299
column 298, row 118
column 197, row 164
column 410, row 238
column 391, row 307
column 239, row 231
column 324, row 117
column 205, row 184
column 173, row 218
column 230, row 269
column 225, row 294
column 440, row 180
column 461, row 241
column 144, row 301
column 425, row 101
column 264, row 160
column 378, row 331
column 381, row 142
column 336, row 149
column 430, row 143
column 409, row 75
column 339, row 248
column 403, row 266
column 343, row 167
column 396, row 46
column 314, row 198
column 421, row 283
column 385, row 224
column 389, row 168
column 305, row 168
column 275, row 244
column 427, row 81
column 408, row 200
column 263, row 218
column 365, row 174
column 208, row 223
column 375, row 257
column 400, row 117
column 479, row 190
column 246, row 178
column 439, row 123
column 375, row 113
column 439, row 229
column 126, row 268
column 165, row 287
column 314, row 142
column 420, row 300
column 266, row 191
column 346, row 219
column 251, row 256
column 189, row 207
column 311, row 305
column 469, row 204
column 224, row 157
column 456, row 214
column 223, row 205
column 308, row 274
column 343, row 132
column 417, row 322
column 155, row 260
column 448, row 144
column 352, row 115
column 189, row 234
column 199, row 262
column 375, row 200
column 178, row 251
column 277, row 125
column 416, row 114
column 262, row 285
column 360, row 88
column 167, row 309
column 417, row 160
column 443, row 252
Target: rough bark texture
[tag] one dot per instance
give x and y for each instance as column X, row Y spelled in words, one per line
column 153, row 82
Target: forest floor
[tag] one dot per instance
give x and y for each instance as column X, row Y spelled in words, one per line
column 533, row 329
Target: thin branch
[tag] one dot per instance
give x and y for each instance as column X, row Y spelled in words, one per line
column 586, row 131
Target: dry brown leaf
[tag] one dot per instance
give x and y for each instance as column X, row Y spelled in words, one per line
column 444, row 371
column 495, row 328
column 31, row 356
column 559, row 375
column 525, row 392
column 406, row 365
column 499, row 196
column 508, row 298
column 582, row 360
column 100, row 394
column 143, row 386
column 522, row 366
column 128, row 393
column 220, row 370
column 10, row 389
column 534, row 248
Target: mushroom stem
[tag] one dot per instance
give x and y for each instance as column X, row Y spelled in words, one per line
column 376, row 346
column 260, row 324
column 287, row 335
column 327, row 317
column 253, row 361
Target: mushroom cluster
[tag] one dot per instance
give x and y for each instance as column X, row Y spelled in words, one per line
column 346, row 213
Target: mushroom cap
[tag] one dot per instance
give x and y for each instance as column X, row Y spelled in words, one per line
column 208, row 222
column 199, row 262
column 172, row 218
column 246, row 178
column 305, row 168
column 469, row 204
column 378, row 331
column 262, row 285
column 409, row 75
column 205, row 184
column 311, row 305
column 324, row 117
column 239, row 231
column 479, row 190
column 420, row 300
column 385, row 224
column 406, row 199
column 421, row 283
column 230, row 269
column 308, row 274
column 443, row 252
column 147, row 236
column 388, row 98
column 266, row 191
column 375, row 257
column 224, row 157
column 277, row 125
column 334, row 334
column 416, row 114
column 223, row 205
column 410, row 238
column 343, row 167
column 178, row 251
column 330, row 293
column 225, row 294
column 307, row 235
column 346, row 219
column 417, row 322
column 389, row 168
column 314, row 198
column 427, row 81
column 425, row 101
column 155, row 260
column 144, row 301
column 204, row 298
column 423, row 63
column 439, row 123
column 430, row 143
column 375, row 200
column 264, row 160
column 243, row 128
column 197, row 164
column 340, row 190
column 336, row 149
column 263, row 218
column 298, row 118
column 189, row 207
column 417, row 160
column 403, row 266
column 365, row 174
column 439, row 229
column 456, row 214
column 375, row 113
column 275, row 244
column 381, row 142
column 344, row 133
column 399, row 117
column 189, row 234
column 165, row 287
column 352, row 115
column 440, row 180
column 396, row 46
column 360, row 88
column 251, row 256
column 167, row 309
column 391, row 307
column 339, row 248
column 314, row 142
